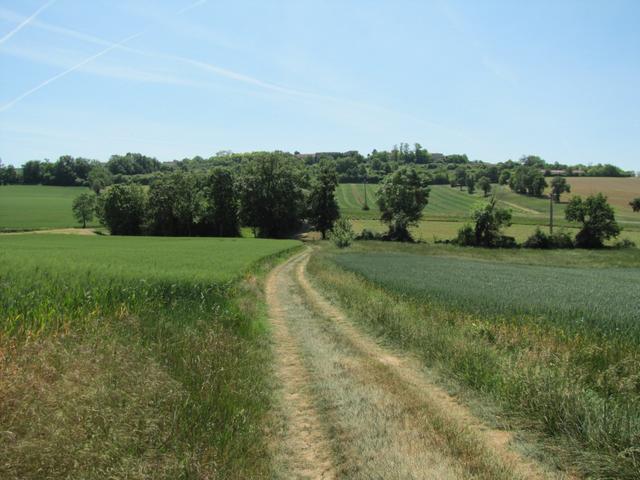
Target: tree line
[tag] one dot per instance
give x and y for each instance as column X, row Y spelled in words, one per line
column 525, row 175
column 271, row 195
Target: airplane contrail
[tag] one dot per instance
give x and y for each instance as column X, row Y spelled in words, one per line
column 112, row 46
column 25, row 22
column 69, row 70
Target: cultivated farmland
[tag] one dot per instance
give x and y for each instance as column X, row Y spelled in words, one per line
column 557, row 346
column 619, row 191
column 132, row 357
column 30, row 207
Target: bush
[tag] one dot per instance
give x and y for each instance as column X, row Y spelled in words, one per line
column 505, row 241
column 624, row 243
column 466, row 237
column 540, row 239
column 367, row 234
column 562, row 240
column 342, row 233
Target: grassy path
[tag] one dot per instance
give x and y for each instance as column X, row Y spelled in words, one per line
column 350, row 408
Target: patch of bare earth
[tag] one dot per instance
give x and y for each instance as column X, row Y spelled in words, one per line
column 63, row 231
column 354, row 409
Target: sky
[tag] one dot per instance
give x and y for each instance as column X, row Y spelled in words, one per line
column 179, row 78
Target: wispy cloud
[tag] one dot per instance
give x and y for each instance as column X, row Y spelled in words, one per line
column 347, row 107
column 201, row 65
column 63, row 58
column 112, row 46
column 25, row 22
column 66, row 72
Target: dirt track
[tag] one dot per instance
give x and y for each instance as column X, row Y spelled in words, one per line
column 352, row 409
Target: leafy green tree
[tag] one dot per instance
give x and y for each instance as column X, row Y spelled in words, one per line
column 271, row 195
column 8, row 175
column 597, row 218
column 460, row 177
column 484, row 184
column 84, row 208
column 323, row 207
column 222, row 204
column 528, row 180
column 471, row 184
column 99, row 178
column 401, row 198
column 489, row 221
column 32, row 172
column 342, row 233
column 505, row 177
column 175, row 205
column 122, row 209
column 635, row 204
column 559, row 186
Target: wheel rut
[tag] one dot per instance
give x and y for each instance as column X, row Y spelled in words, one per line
column 351, row 408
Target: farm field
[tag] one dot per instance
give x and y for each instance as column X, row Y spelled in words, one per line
column 432, row 230
column 133, row 356
column 541, row 335
column 444, row 201
column 619, row 191
column 30, row 207
column 451, row 203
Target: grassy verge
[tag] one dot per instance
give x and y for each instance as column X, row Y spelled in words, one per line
column 129, row 358
column 578, row 387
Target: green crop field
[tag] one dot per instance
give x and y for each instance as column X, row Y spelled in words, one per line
column 133, row 354
column 444, row 201
column 30, row 207
column 607, row 299
column 551, row 337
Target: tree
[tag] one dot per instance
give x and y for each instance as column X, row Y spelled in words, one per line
column 175, row 205
column 32, row 172
column 271, row 196
column 342, row 233
column 63, row 171
column 122, row 209
column 401, row 198
column 487, row 231
column 323, row 208
column 484, row 184
column 84, row 208
column 559, row 186
column 505, row 177
column 471, row 184
column 8, row 175
column 460, row 177
column 635, row 204
column 597, row 218
column 222, row 204
column 99, row 178
column 527, row 180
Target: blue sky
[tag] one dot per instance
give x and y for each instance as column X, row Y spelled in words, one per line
column 177, row 78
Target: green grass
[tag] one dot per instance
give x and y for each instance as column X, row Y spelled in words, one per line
column 32, row 207
column 134, row 357
column 448, row 204
column 444, row 202
column 606, row 300
column 432, row 230
column 549, row 337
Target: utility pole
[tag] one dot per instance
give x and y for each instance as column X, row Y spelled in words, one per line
column 550, row 213
column 365, row 190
